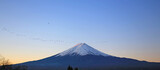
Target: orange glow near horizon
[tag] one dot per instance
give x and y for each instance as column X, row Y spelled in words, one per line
column 21, row 59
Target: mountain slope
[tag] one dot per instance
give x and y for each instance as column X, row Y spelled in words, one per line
column 88, row 58
column 82, row 49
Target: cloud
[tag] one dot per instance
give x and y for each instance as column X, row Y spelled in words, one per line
column 31, row 37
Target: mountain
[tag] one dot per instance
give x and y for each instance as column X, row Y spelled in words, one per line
column 81, row 49
column 85, row 57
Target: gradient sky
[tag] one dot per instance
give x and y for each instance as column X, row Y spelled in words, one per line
column 35, row 29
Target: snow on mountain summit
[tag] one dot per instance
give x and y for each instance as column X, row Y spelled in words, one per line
column 82, row 49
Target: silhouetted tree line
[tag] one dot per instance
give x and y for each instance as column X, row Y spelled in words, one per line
column 10, row 67
column 5, row 65
column 70, row 68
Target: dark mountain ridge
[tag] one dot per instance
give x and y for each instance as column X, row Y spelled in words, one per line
column 84, row 59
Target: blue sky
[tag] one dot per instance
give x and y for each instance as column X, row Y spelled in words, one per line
column 41, row 28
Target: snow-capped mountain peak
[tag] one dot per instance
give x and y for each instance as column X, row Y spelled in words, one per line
column 82, row 49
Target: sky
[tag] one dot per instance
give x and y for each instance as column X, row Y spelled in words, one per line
column 36, row 29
